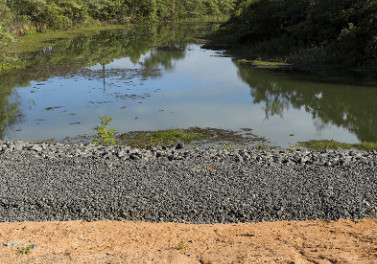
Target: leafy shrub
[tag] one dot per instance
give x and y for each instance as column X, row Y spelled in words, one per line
column 105, row 137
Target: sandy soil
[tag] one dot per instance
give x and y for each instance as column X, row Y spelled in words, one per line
column 344, row 241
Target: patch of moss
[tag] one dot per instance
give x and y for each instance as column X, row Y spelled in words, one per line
column 268, row 63
column 366, row 146
column 332, row 144
column 262, row 64
column 324, row 144
column 193, row 135
column 158, row 138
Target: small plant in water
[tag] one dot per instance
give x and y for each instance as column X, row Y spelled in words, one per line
column 105, row 137
column 262, row 146
column 292, row 148
column 229, row 146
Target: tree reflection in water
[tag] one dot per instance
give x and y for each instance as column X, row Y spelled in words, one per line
column 163, row 44
column 154, row 50
column 335, row 102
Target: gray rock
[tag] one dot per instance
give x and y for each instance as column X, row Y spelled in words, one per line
column 36, row 148
column 89, row 182
column 179, row 146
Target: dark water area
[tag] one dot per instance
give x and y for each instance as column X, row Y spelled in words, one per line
column 159, row 77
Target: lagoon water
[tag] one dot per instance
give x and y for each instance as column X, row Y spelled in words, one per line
column 159, row 77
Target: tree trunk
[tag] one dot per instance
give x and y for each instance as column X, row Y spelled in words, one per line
column 173, row 9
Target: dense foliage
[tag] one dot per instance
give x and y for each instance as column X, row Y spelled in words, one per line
column 5, row 15
column 60, row 14
column 23, row 16
column 336, row 31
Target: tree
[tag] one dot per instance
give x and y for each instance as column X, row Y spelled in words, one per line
column 344, row 31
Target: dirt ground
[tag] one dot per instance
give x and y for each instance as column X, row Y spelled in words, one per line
column 321, row 241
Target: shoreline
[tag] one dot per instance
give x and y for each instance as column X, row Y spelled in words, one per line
column 268, row 61
column 180, row 184
column 94, row 204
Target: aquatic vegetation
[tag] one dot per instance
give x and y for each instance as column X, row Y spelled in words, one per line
column 262, row 63
column 325, row 144
column 332, row 144
column 158, row 138
column 262, row 146
column 268, row 63
column 193, row 135
column 366, row 146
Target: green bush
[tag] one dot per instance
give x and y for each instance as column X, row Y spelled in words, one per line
column 5, row 38
column 104, row 137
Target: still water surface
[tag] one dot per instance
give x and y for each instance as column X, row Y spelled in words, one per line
column 158, row 77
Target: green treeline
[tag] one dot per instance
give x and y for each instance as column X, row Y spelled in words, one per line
column 326, row 31
column 24, row 16
column 62, row 14
column 340, row 32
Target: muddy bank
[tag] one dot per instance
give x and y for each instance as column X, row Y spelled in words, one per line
column 113, row 242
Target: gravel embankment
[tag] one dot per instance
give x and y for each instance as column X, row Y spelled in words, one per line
column 65, row 182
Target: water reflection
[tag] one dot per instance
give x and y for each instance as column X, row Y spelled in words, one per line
column 69, row 56
column 156, row 77
column 349, row 106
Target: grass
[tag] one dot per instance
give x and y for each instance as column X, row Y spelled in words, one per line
column 262, row 146
column 229, row 146
column 194, row 135
column 332, row 144
column 294, row 148
column 181, row 246
column 158, row 138
column 366, row 146
column 25, row 250
column 325, row 144
column 268, row 63
column 262, row 63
